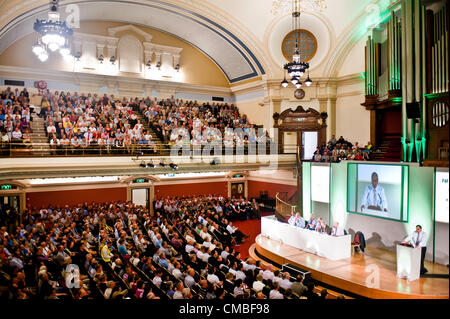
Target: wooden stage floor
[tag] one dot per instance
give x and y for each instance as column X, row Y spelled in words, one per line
column 352, row 274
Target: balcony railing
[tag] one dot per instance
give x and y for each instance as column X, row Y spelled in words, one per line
column 28, row 149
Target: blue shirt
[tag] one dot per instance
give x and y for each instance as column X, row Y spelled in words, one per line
column 163, row 262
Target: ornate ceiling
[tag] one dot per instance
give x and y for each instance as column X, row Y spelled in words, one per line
column 243, row 37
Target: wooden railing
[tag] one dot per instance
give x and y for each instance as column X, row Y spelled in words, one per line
column 283, row 209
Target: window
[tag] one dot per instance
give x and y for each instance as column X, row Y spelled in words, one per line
column 307, row 44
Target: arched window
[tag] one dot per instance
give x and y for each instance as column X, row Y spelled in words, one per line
column 307, row 44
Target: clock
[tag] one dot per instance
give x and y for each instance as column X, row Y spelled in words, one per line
column 299, row 94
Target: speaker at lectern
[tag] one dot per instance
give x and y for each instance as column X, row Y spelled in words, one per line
column 408, row 262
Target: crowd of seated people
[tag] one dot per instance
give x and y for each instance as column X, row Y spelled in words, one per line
column 179, row 122
column 81, row 124
column 118, row 250
column 15, row 117
column 316, row 224
column 341, row 150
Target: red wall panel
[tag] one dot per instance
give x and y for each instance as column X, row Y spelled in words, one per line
column 255, row 187
column 74, row 197
column 181, row 190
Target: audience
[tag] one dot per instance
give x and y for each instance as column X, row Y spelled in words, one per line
column 15, row 117
column 98, row 237
column 341, row 150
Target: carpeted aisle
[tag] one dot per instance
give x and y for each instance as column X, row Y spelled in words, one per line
column 251, row 228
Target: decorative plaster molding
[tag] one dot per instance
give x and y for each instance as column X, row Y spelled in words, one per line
column 113, row 31
column 99, row 79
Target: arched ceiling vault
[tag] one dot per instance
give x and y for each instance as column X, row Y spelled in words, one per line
column 228, row 51
column 232, row 33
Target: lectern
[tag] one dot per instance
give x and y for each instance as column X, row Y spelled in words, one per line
column 408, row 262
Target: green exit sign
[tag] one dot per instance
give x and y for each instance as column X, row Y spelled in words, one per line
column 171, row 174
column 140, row 180
column 6, row 187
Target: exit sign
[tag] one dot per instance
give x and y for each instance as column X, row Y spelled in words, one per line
column 140, row 180
column 6, row 187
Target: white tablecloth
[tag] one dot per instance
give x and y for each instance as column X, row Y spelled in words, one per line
column 323, row 245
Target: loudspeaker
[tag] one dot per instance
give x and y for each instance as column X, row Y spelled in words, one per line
column 413, row 110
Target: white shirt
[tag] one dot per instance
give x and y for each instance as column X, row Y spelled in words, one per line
column 177, row 273
column 224, row 254
column 157, row 281
column 268, row 275
column 213, row 279
column 286, row 284
column 275, row 294
column 417, row 239
column 189, row 248
column 291, row 220
column 337, row 231
column 374, row 197
column 231, row 229
column 189, row 281
column 258, row 286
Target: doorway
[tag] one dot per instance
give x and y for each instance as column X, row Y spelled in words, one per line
column 140, row 197
column 237, row 190
column 9, row 211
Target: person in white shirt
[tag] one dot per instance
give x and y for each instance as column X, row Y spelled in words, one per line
column 336, row 230
column 286, row 283
column 189, row 247
column 277, row 277
column 177, row 272
column 291, row 220
column 224, row 254
column 189, row 281
column 212, row 278
column 258, row 285
column 419, row 240
column 240, row 274
column 374, row 196
column 268, row 274
column 16, row 134
column 157, row 279
column 274, row 293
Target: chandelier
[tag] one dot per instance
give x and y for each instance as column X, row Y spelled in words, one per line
column 296, row 68
column 53, row 34
column 283, row 7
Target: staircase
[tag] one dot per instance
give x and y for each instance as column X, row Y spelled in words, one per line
column 389, row 149
column 39, row 140
column 155, row 138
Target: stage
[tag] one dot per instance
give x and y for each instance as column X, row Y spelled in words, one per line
column 359, row 273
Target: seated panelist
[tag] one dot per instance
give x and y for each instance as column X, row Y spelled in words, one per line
column 299, row 221
column 312, row 223
column 292, row 219
column 337, row 230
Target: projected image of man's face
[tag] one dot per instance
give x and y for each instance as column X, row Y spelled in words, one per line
column 374, row 180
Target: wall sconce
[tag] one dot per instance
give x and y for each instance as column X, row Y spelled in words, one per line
column 112, row 60
column 177, row 67
column 158, row 65
column 100, row 59
column 149, row 64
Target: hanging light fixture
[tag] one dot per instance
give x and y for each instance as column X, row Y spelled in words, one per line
column 308, row 81
column 296, row 68
column 53, row 34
